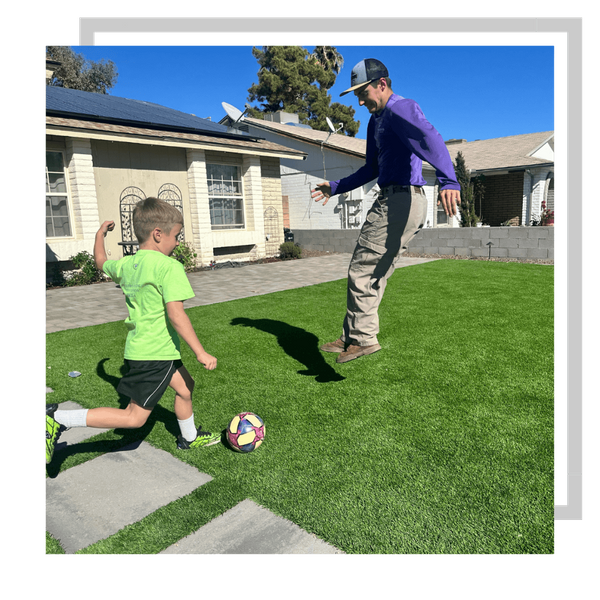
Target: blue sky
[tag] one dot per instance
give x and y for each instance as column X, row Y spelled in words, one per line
column 470, row 92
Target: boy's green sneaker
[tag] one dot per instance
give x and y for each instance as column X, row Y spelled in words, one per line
column 203, row 438
column 52, row 431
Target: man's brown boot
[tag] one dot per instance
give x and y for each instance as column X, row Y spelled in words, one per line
column 354, row 351
column 337, row 346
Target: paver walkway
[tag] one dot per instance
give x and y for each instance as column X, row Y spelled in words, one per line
column 68, row 308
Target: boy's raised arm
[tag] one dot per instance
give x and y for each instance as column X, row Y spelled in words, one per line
column 99, row 251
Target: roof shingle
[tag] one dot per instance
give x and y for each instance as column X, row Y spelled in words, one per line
column 501, row 153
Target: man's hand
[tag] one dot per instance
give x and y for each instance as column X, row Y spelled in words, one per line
column 449, row 199
column 322, row 191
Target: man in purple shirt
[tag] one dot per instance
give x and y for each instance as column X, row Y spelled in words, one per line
column 399, row 139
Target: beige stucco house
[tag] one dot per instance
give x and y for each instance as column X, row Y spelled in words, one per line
column 104, row 153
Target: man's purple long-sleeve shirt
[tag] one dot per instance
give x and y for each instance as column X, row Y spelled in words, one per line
column 398, row 141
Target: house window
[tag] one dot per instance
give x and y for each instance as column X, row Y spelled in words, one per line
column 442, row 217
column 225, row 196
column 58, row 223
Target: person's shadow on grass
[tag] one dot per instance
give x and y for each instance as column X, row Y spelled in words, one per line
column 298, row 343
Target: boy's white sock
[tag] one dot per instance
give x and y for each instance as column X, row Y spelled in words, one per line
column 71, row 418
column 188, row 429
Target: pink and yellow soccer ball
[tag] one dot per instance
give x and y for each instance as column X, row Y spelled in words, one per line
column 245, row 432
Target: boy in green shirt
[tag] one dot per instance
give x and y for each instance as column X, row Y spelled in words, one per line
column 155, row 287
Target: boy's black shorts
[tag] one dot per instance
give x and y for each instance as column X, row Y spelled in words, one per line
column 147, row 380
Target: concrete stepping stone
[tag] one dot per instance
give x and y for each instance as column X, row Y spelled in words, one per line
column 93, row 501
column 249, row 528
column 84, row 504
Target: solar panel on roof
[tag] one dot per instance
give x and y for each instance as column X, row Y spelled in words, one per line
column 113, row 108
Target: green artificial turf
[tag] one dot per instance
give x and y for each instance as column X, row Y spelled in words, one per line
column 442, row 442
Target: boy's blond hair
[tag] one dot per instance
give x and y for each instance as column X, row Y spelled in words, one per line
column 153, row 213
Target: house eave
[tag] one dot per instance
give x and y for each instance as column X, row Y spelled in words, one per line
column 499, row 170
column 140, row 135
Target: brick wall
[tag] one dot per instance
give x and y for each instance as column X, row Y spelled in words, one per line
column 506, row 242
column 503, row 199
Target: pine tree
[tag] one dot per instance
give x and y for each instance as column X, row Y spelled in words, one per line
column 468, row 216
column 292, row 80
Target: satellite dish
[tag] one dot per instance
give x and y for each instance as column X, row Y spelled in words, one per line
column 235, row 114
column 332, row 127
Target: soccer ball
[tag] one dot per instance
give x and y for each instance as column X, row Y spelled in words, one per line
column 245, row 432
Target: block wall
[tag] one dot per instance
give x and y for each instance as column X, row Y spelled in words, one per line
column 497, row 242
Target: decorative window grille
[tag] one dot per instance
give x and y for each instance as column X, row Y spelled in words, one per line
column 130, row 196
column 272, row 231
column 170, row 193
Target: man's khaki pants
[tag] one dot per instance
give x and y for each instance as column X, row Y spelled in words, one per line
column 395, row 218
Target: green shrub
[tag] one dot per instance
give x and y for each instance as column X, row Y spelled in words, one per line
column 289, row 250
column 86, row 270
column 185, row 254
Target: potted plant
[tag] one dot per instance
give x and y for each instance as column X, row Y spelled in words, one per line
column 547, row 216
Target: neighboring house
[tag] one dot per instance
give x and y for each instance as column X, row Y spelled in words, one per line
column 518, row 175
column 104, row 153
column 330, row 156
column 518, row 170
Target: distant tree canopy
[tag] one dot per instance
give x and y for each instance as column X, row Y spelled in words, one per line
column 77, row 73
column 292, row 80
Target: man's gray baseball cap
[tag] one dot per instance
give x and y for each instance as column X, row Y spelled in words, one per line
column 366, row 71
